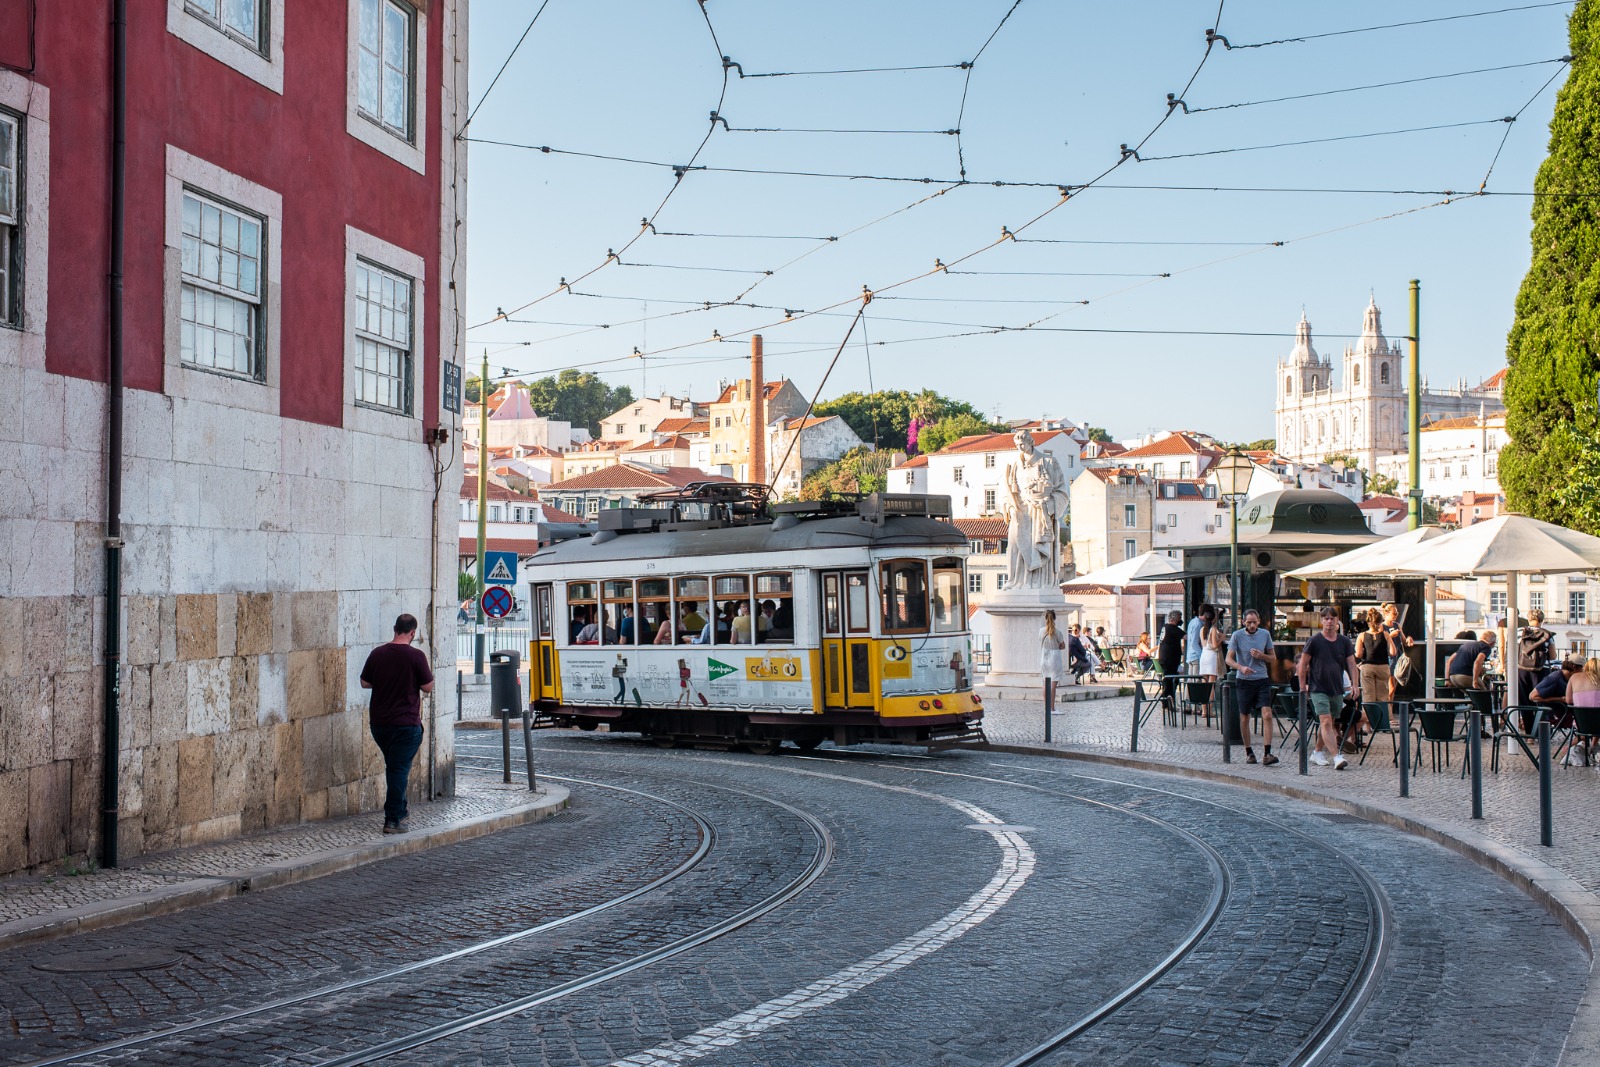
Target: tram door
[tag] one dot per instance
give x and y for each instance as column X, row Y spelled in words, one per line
column 846, row 645
column 542, row 654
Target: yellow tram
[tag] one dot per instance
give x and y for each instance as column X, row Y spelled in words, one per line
column 709, row 616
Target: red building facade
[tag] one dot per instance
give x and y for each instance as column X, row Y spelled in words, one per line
column 294, row 208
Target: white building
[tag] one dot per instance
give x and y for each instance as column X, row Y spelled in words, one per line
column 972, row 471
column 639, row 421
column 1364, row 416
column 512, row 421
column 1458, row 454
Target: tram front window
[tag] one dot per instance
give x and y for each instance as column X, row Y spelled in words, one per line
column 905, row 596
column 949, row 596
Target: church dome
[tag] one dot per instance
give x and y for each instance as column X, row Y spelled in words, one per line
column 1303, row 352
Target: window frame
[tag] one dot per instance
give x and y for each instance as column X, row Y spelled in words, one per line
column 262, row 65
column 410, row 150
column 187, row 172
column 13, row 247
column 887, row 569
column 199, row 283
column 406, row 379
column 372, row 418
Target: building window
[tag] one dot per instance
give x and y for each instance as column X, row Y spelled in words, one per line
column 516, row 514
column 1536, row 600
column 385, row 46
column 1383, row 374
column 988, row 500
column 220, row 298
column 1463, row 470
column 1322, row 429
column 1497, row 602
column 10, row 220
column 1172, row 520
column 246, row 35
column 1130, row 548
column 975, row 546
column 619, row 428
column 957, row 473
column 975, row 582
column 383, row 338
column 591, row 505
column 1355, row 429
column 1491, row 463
column 641, row 427
column 1356, row 374
column 1288, row 385
column 1130, row 515
column 1577, row 607
column 988, row 459
column 494, row 512
column 1336, row 427
column 1186, row 469
column 999, row 581
column 241, row 20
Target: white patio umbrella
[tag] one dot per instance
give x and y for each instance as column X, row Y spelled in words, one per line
column 1146, row 570
column 1387, row 559
column 1508, row 545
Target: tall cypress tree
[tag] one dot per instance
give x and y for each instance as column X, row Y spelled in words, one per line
column 1553, row 349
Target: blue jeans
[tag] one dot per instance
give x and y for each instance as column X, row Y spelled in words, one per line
column 399, row 746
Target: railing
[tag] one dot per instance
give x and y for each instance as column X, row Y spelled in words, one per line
column 495, row 638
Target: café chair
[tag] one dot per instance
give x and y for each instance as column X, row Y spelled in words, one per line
column 1586, row 728
column 1286, row 705
column 1381, row 723
column 1520, row 724
column 1196, row 695
column 1439, row 729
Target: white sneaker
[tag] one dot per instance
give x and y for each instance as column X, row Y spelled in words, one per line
column 1340, row 763
column 1319, row 759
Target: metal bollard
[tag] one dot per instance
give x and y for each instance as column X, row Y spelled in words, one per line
column 458, row 695
column 527, row 749
column 1475, row 758
column 1227, row 699
column 505, row 744
column 1546, row 789
column 1305, row 742
column 1138, row 706
column 1405, row 748
column 1049, row 706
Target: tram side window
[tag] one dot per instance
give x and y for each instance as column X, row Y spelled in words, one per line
column 693, row 595
column 581, row 612
column 905, row 596
column 654, row 616
column 541, row 598
column 617, row 610
column 734, row 619
column 775, row 602
column 949, row 596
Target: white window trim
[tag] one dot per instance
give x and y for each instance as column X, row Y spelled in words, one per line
column 197, row 383
column 266, row 70
column 25, row 347
column 360, row 417
column 415, row 153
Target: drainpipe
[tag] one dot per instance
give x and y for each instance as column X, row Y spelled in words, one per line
column 112, row 715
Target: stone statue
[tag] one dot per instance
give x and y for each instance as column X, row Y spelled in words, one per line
column 1037, row 499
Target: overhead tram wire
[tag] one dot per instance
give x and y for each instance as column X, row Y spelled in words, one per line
column 966, row 84
column 1189, row 110
column 1321, row 140
column 1511, row 123
column 1394, row 25
column 496, row 79
column 860, row 70
column 678, row 172
column 865, row 298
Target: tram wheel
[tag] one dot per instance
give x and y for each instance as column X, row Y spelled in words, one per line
column 764, row 747
column 588, row 726
column 664, row 741
column 808, row 744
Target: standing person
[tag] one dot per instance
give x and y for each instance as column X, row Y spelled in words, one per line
column 1373, row 650
column 1210, row 656
column 1470, row 660
column 1399, row 641
column 1191, row 647
column 1249, row 651
column 1169, row 657
column 1051, row 645
column 1533, row 649
column 625, row 627
column 398, row 675
column 1328, row 657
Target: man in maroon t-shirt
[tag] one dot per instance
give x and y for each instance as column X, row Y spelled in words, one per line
column 398, row 675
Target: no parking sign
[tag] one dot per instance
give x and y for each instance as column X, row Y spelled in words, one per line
column 497, row 602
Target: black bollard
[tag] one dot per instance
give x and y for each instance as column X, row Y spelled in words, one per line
column 1227, row 698
column 1305, row 742
column 505, row 744
column 1049, row 706
column 1138, row 706
column 1546, row 790
column 1475, row 758
column 1405, row 748
column 527, row 749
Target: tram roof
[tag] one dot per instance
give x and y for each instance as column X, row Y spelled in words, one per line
column 843, row 531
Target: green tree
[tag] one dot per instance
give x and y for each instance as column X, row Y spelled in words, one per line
column 582, row 399
column 950, row 429
column 860, row 470
column 884, row 416
column 1097, row 433
column 472, row 388
column 466, row 586
column 1551, row 412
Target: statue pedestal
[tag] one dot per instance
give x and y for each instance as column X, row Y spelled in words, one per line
column 1017, row 621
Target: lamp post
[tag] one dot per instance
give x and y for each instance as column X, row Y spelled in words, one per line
column 1233, row 472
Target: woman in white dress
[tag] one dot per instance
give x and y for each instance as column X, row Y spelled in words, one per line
column 1211, row 644
column 1051, row 644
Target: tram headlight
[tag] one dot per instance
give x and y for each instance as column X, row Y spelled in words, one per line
column 923, row 704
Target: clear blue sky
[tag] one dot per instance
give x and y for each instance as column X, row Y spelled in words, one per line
column 1050, row 99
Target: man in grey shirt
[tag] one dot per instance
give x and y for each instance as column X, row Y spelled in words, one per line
column 1249, row 652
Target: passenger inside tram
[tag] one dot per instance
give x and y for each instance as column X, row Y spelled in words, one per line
column 594, row 634
column 745, row 625
column 690, row 622
column 580, row 619
column 625, row 627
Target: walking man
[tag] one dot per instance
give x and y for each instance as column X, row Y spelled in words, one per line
column 1328, row 657
column 1249, row 652
column 398, row 675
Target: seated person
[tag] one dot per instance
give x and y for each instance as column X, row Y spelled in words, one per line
column 1552, row 688
column 783, row 621
column 625, row 627
column 664, row 633
column 690, row 621
column 1466, row 667
column 580, row 619
column 744, row 624
column 594, row 633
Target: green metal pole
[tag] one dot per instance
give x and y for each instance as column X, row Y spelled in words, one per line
column 1414, row 419
column 483, row 505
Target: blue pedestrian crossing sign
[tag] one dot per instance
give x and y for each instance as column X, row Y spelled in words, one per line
column 500, row 568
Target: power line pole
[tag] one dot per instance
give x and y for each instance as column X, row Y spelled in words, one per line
column 1414, row 413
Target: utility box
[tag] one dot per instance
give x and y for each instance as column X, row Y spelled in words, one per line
column 505, row 684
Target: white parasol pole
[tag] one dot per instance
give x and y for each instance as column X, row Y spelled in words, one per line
column 1428, row 668
column 1510, row 655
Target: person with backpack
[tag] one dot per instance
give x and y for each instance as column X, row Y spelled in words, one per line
column 1533, row 649
column 1328, row 658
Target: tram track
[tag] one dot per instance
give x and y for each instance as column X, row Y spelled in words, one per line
column 819, row 861
column 1341, row 1015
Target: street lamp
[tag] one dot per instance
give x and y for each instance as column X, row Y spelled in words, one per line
column 1233, row 472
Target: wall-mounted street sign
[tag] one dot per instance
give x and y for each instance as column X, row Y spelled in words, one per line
column 452, row 387
column 497, row 602
column 500, row 568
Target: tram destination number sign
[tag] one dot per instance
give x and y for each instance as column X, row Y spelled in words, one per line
column 497, row 602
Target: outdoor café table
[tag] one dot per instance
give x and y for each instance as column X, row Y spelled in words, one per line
column 1149, row 693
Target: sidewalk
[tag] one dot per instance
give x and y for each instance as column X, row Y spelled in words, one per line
column 38, row 907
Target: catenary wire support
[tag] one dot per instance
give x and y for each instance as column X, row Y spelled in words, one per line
column 1173, row 101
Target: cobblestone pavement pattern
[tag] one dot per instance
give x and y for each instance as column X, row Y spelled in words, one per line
column 1116, row 881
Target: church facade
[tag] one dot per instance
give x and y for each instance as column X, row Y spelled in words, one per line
column 1363, row 415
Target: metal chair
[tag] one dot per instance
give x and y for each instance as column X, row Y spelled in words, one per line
column 1196, row 696
column 1437, row 728
column 1586, row 725
column 1379, row 719
column 1286, row 703
column 1531, row 715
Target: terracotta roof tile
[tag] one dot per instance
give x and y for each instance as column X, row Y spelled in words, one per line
column 992, row 442
column 1176, row 444
column 1464, row 422
column 914, row 461
column 469, row 491
column 629, row 476
column 986, row 529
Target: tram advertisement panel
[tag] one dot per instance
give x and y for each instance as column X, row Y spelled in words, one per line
column 682, row 676
column 925, row 665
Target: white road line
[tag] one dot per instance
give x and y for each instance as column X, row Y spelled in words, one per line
column 1016, row 864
